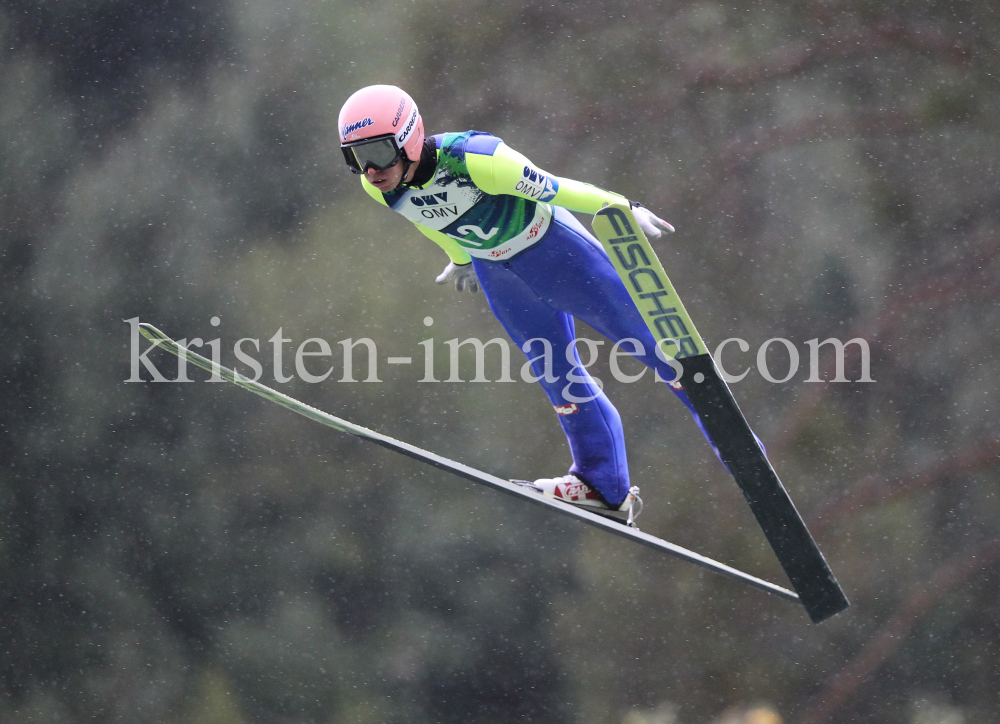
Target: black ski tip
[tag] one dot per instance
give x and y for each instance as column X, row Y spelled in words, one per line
column 825, row 604
column 807, row 570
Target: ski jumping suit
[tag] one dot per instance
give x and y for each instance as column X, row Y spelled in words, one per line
column 539, row 267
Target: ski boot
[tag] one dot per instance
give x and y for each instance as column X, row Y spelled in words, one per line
column 572, row 489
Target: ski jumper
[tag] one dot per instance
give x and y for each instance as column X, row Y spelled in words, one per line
column 539, row 267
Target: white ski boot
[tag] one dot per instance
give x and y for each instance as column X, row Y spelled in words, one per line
column 571, row 489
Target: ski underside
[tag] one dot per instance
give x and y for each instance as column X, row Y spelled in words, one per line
column 607, row 524
column 661, row 308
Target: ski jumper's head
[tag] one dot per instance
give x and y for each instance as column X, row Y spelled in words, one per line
column 380, row 126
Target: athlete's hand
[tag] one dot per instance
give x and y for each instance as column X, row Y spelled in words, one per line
column 651, row 224
column 462, row 274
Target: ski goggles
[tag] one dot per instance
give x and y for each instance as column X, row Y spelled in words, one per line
column 378, row 153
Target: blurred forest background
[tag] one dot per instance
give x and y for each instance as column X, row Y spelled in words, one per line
column 189, row 553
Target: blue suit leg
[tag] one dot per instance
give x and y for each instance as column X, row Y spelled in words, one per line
column 570, row 265
column 590, row 422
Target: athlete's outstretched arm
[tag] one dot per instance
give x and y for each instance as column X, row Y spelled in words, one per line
column 508, row 172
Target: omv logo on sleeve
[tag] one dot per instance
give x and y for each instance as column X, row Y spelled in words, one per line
column 537, row 185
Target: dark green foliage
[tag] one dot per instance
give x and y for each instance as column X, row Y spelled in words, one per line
column 182, row 552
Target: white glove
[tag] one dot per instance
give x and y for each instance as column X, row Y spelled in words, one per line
column 461, row 274
column 650, row 223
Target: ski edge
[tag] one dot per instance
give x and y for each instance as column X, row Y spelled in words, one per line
column 615, row 527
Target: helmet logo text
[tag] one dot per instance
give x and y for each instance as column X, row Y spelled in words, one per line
column 399, row 112
column 405, row 133
column 350, row 128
